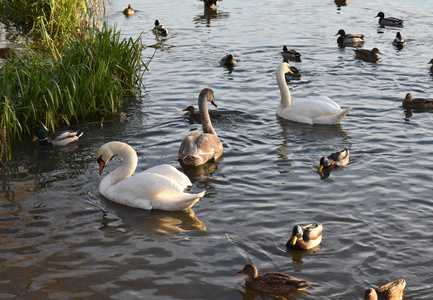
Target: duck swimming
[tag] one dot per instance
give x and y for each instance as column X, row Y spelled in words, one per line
column 290, row 54
column 198, row 148
column 159, row 29
column 273, row 283
column 313, row 110
column 390, row 291
column 129, row 10
column 61, row 138
column 390, row 21
column 228, row 61
column 305, row 238
column 338, row 158
column 160, row 187
column 399, row 42
column 349, row 39
column 210, row 4
column 410, row 102
column 367, row 55
column 196, row 115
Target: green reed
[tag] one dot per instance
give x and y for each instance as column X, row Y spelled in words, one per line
column 71, row 72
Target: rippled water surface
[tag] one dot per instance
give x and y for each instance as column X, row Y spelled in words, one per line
column 59, row 239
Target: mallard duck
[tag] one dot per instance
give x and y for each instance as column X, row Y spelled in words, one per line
column 338, row 158
column 367, row 55
column 304, row 238
column 159, row 29
column 160, row 187
column 129, row 10
column 196, row 115
column 390, row 291
column 198, row 148
column 410, row 102
column 312, row 110
column 431, row 62
column 228, row 61
column 210, row 3
column 57, row 139
column 341, row 2
column 349, row 39
column 273, row 283
column 399, row 42
column 290, row 54
column 390, row 21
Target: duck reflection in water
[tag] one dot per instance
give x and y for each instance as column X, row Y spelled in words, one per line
column 156, row 224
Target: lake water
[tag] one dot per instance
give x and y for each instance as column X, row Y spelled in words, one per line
column 60, row 239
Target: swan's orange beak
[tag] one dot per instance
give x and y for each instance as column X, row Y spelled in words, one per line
column 101, row 164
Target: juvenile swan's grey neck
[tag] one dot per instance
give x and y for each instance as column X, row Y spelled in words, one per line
column 206, row 95
column 284, row 90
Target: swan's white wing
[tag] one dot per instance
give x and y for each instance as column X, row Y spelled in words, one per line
column 171, row 172
column 150, row 190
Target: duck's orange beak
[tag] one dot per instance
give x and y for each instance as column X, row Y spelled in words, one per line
column 293, row 240
column 240, row 272
column 34, row 138
column 320, row 169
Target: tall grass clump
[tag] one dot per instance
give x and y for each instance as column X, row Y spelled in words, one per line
column 71, row 72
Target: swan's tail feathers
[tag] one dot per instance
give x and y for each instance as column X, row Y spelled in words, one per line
column 342, row 114
column 184, row 202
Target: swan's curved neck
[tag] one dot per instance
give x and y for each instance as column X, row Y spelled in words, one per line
column 204, row 115
column 286, row 99
column 126, row 169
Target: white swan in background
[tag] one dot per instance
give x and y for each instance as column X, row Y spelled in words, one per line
column 314, row 110
column 198, row 148
column 161, row 187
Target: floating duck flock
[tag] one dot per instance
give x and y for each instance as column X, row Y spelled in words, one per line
column 163, row 187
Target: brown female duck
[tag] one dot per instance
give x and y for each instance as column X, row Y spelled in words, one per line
column 390, row 291
column 272, row 283
column 367, row 55
column 129, row 10
column 195, row 116
column 338, row 158
column 410, row 102
column 306, row 237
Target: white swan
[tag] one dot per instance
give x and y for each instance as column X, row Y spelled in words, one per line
column 198, row 148
column 315, row 110
column 160, row 187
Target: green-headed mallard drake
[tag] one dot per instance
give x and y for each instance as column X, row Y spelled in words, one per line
column 210, row 3
column 390, row 21
column 431, row 62
column 367, row 55
column 399, row 42
column 273, row 283
column 349, row 39
column 390, row 291
column 129, row 10
column 228, row 61
column 410, row 102
column 290, row 54
column 305, row 238
column 57, row 139
column 338, row 158
column 159, row 29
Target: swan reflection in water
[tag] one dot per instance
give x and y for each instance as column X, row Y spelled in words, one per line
column 196, row 173
column 156, row 224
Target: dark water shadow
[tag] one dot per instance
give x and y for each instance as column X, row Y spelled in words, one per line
column 197, row 173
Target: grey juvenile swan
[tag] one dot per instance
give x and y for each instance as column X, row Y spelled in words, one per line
column 198, row 148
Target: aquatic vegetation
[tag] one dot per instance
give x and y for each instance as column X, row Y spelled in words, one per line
column 69, row 73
